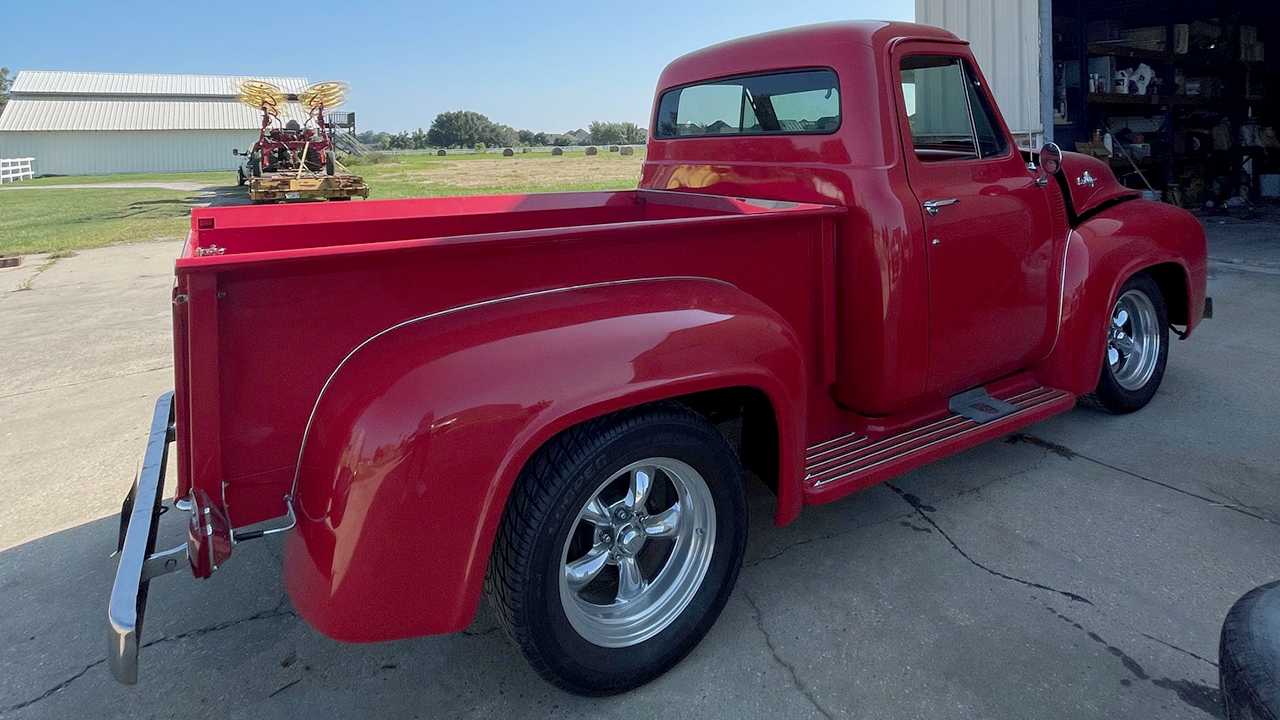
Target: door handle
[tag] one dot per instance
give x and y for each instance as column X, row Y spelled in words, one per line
column 931, row 206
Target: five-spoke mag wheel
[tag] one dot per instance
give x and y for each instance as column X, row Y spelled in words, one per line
column 1137, row 348
column 619, row 546
column 1133, row 340
column 638, row 552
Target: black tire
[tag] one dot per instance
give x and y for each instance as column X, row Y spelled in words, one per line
column 255, row 166
column 330, row 164
column 240, row 178
column 1249, row 656
column 1110, row 395
column 523, row 582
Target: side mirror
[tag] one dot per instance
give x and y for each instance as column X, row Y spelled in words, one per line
column 235, row 151
column 1050, row 162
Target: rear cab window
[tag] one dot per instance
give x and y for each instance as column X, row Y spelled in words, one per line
column 794, row 102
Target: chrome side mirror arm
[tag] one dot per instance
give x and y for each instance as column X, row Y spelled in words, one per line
column 1050, row 163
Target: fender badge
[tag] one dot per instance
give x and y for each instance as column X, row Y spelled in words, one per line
column 1085, row 180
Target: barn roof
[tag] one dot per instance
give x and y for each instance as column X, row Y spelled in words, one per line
column 52, row 115
column 61, row 101
column 94, row 83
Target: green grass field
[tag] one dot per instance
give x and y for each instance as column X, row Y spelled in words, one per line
column 61, row 219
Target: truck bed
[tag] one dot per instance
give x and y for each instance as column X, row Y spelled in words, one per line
column 270, row 299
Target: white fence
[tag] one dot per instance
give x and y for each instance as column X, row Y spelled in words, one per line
column 14, row 169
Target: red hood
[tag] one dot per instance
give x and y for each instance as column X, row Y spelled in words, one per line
column 1091, row 182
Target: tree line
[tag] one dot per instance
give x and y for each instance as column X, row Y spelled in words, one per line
column 464, row 128
column 5, row 82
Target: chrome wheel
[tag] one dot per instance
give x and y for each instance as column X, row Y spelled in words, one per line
column 637, row 552
column 1133, row 340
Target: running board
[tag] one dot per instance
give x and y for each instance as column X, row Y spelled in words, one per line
column 853, row 461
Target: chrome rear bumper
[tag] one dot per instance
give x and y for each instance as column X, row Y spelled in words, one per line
column 139, row 518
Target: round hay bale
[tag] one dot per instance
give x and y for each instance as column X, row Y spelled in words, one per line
column 508, row 152
column 526, row 150
column 628, row 150
column 557, row 151
column 613, row 148
column 591, row 150
column 441, row 152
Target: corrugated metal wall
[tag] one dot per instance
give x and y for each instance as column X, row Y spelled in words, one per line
column 109, row 152
column 1005, row 38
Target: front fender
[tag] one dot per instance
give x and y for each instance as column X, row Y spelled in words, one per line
column 1102, row 253
column 418, row 436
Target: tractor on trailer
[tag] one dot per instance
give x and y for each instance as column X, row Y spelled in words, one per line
column 836, row 250
column 295, row 161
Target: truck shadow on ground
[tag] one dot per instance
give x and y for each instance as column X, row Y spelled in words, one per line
column 865, row 586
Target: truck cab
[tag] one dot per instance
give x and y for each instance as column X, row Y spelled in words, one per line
column 954, row 247
column 838, row 266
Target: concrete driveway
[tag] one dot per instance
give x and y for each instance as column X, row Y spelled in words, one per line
column 1079, row 570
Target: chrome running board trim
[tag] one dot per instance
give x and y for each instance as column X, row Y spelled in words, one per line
column 853, row 454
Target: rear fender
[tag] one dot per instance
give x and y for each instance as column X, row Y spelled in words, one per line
column 1102, row 253
column 416, row 440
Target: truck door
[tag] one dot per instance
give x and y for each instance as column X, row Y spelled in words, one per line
column 993, row 262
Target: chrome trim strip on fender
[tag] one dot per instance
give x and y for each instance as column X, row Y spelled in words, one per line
column 297, row 471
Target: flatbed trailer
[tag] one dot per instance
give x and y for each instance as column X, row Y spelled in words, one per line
column 290, row 187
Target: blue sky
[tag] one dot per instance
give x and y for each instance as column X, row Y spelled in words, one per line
column 543, row 66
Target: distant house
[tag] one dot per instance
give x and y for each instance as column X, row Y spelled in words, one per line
column 579, row 136
column 77, row 123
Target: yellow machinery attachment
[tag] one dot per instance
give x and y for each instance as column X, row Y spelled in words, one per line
column 328, row 95
column 262, row 95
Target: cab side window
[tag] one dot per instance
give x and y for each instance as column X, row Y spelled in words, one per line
column 951, row 118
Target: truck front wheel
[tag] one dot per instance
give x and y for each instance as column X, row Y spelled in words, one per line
column 1137, row 348
column 619, row 547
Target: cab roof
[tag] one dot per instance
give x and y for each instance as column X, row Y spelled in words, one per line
column 805, row 46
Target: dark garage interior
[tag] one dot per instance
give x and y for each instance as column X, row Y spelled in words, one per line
column 1180, row 97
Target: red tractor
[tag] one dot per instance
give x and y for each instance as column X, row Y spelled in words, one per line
column 292, row 160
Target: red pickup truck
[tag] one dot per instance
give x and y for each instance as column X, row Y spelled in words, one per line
column 837, row 267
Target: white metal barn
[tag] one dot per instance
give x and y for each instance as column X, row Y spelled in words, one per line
column 1005, row 37
column 77, row 123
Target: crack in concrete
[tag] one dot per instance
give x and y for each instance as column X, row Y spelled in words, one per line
column 275, row 612
column 1069, row 454
column 1171, row 646
column 1205, row 698
column 768, row 640
column 1003, row 478
column 920, row 509
column 28, row 284
column 829, row 536
column 60, row 686
column 1235, row 502
column 899, row 518
column 286, row 687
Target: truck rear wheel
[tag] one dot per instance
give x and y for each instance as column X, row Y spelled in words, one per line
column 1137, row 348
column 620, row 544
